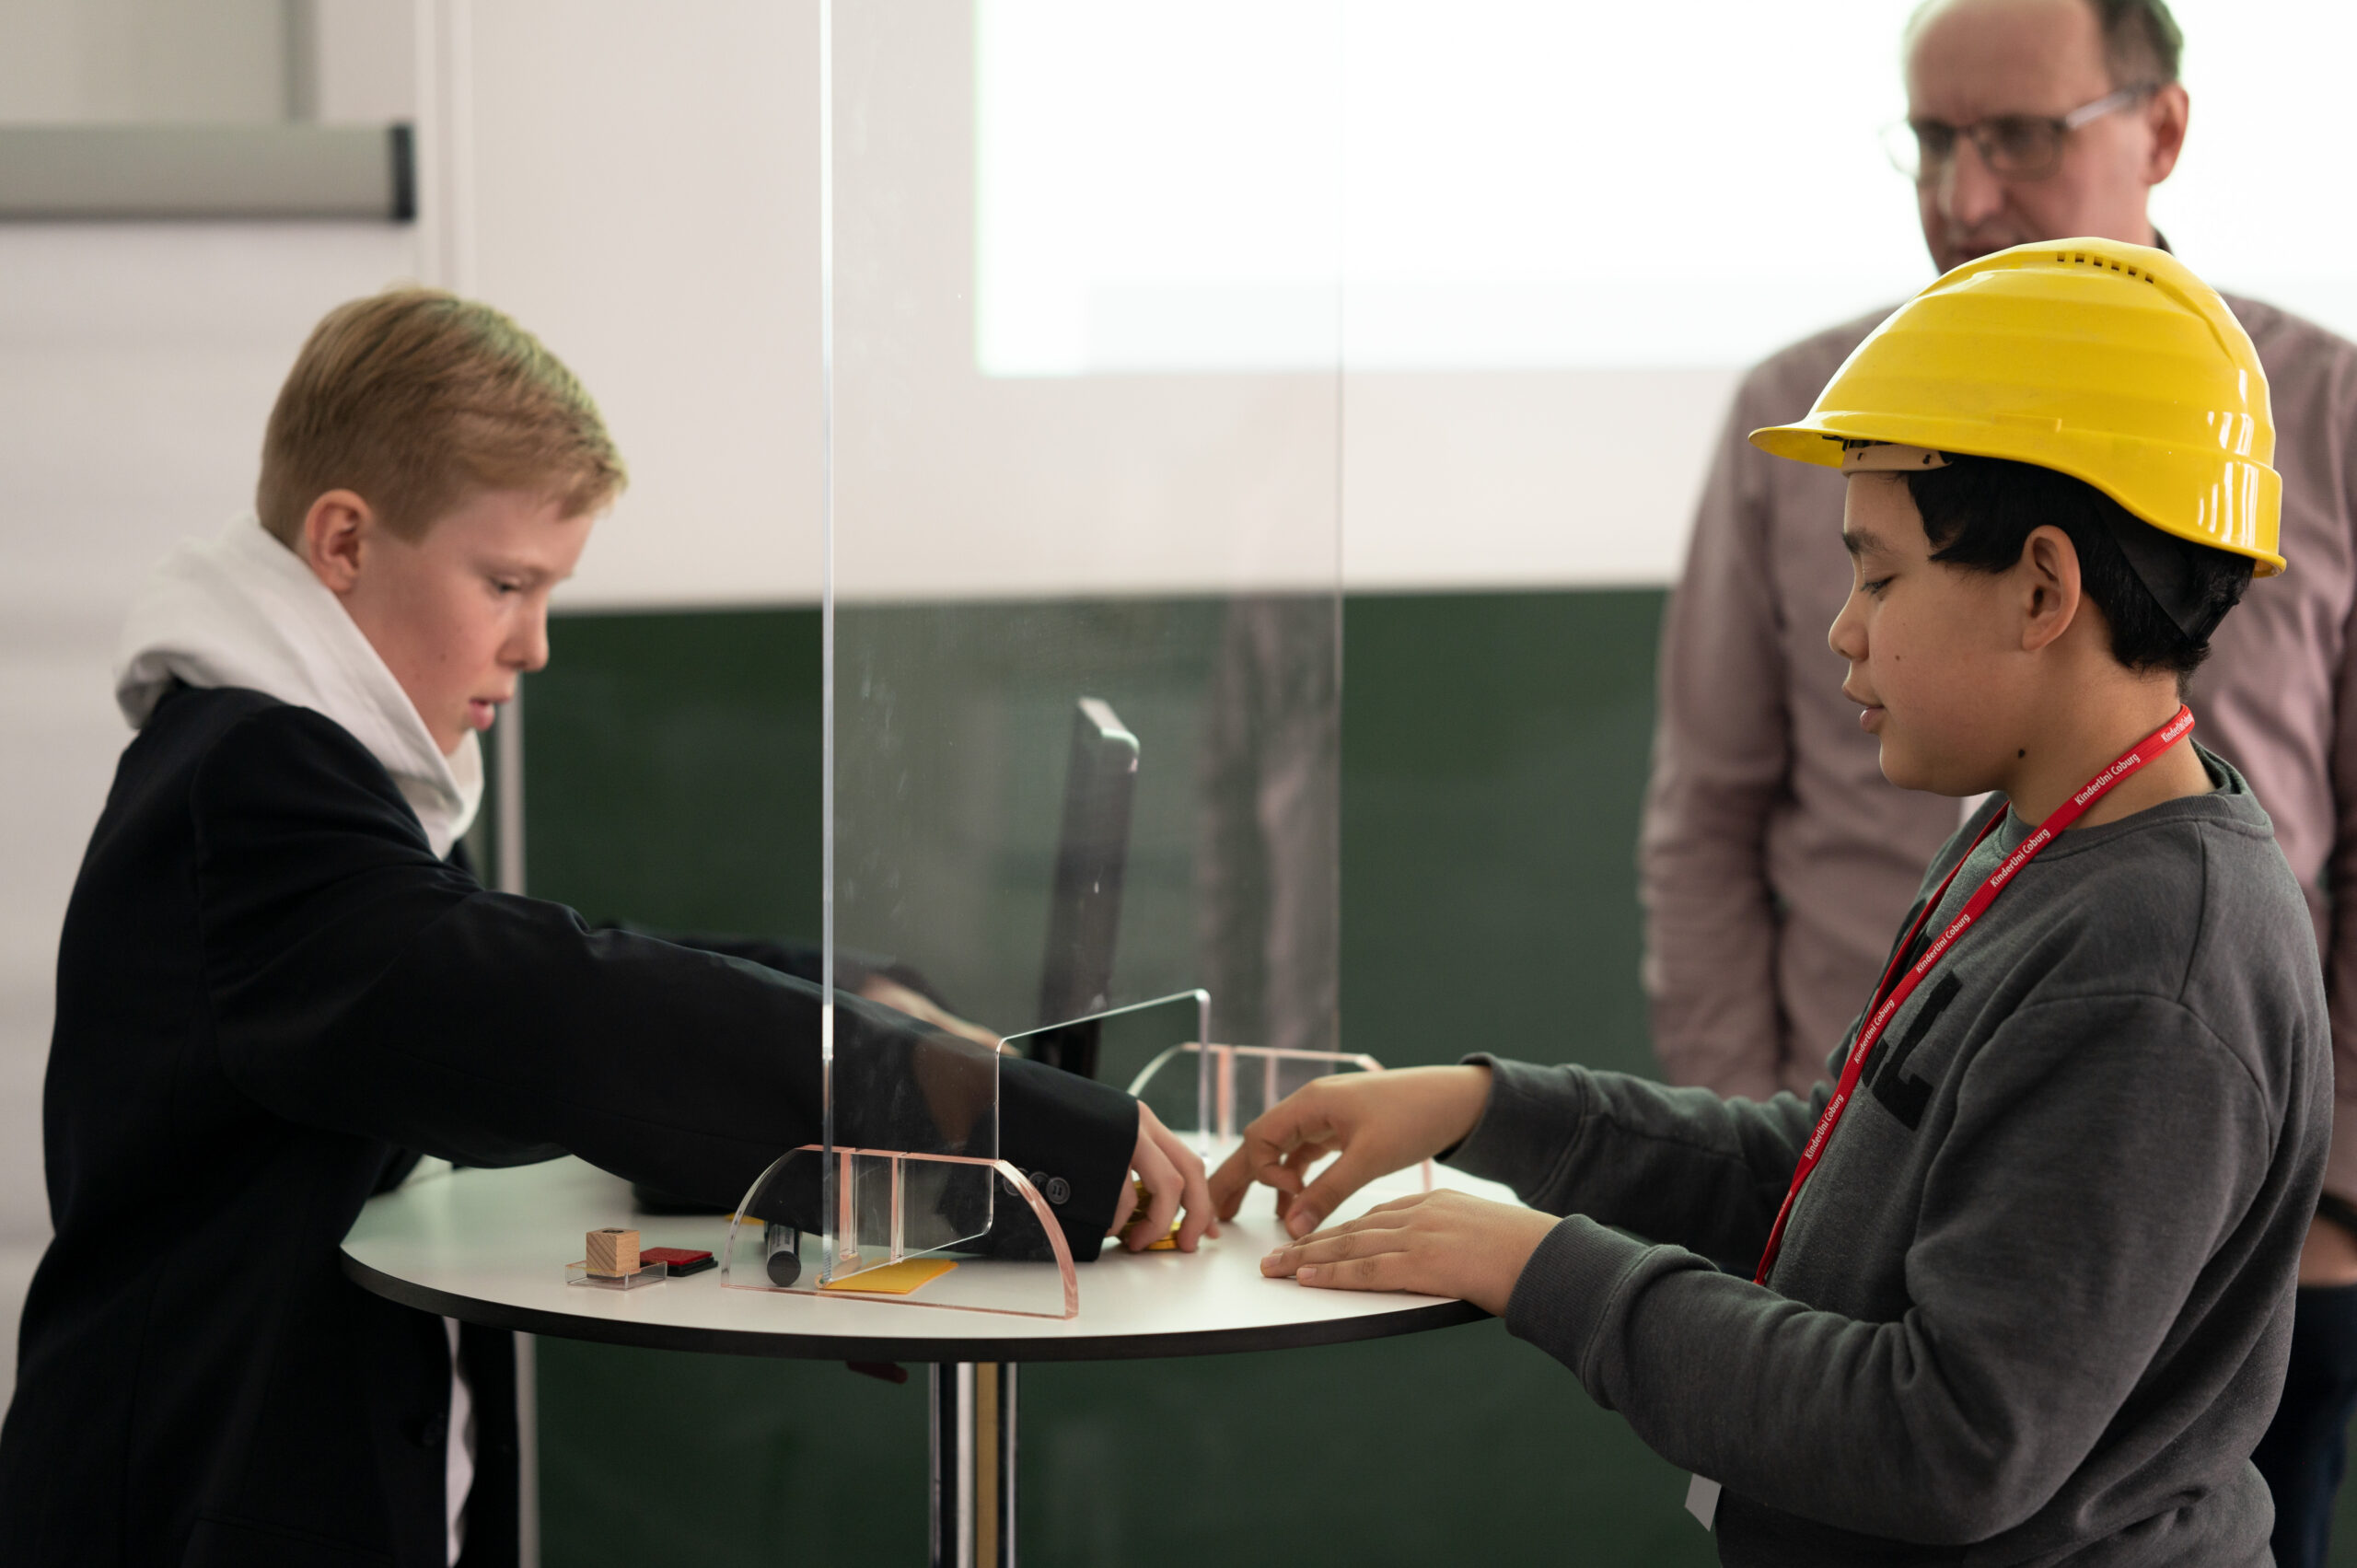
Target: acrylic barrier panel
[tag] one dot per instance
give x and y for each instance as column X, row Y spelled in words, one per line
column 911, row 1090
column 1048, row 810
column 1084, row 645
column 907, row 1228
column 1150, row 1049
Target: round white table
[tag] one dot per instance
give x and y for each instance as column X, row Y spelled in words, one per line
column 490, row 1246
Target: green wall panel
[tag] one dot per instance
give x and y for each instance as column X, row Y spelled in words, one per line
column 671, row 769
column 1493, row 758
column 1494, row 753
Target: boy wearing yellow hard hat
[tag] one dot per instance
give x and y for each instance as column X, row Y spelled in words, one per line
column 2022, row 1279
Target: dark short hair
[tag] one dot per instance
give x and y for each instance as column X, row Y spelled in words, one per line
column 2141, row 42
column 1979, row 512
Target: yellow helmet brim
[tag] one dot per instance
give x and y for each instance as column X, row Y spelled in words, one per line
column 2111, row 363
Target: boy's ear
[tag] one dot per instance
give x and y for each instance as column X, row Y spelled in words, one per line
column 2048, row 573
column 336, row 532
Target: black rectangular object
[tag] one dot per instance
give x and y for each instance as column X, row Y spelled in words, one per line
column 1084, row 905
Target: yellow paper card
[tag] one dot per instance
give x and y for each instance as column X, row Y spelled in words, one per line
column 894, row 1279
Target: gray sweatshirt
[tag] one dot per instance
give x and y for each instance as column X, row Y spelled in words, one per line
column 2036, row 1299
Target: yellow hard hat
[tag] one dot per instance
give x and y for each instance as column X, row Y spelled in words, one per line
column 2111, row 363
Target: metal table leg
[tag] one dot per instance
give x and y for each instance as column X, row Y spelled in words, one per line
column 973, row 1465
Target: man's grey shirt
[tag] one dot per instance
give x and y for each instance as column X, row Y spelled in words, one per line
column 2035, row 1304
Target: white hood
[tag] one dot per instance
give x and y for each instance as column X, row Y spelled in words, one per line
column 242, row 610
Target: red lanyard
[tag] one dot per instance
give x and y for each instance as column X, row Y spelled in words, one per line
column 1888, row 997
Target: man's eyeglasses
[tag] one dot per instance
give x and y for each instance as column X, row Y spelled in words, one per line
column 2014, row 146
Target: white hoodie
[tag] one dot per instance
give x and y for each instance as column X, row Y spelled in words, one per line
column 242, row 610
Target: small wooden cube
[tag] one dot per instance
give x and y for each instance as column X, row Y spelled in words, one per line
column 613, row 1251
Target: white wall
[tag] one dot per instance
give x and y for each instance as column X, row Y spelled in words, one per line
column 78, row 61
column 364, row 66
column 648, row 204
column 96, row 62
column 136, row 367
column 647, row 187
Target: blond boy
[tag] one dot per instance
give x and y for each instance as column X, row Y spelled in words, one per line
column 279, row 982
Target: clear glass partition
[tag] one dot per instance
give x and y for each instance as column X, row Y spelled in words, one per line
column 1083, row 624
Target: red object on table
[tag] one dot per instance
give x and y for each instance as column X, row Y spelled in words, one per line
column 681, row 1261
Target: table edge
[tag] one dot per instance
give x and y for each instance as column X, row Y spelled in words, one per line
column 977, row 1346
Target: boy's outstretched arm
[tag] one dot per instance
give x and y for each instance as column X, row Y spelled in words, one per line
column 361, row 985
column 1676, row 1165
column 2105, row 1195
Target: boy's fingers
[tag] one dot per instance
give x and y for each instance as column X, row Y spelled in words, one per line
column 1297, row 1166
column 1432, row 1213
column 1279, row 1148
column 1304, row 1156
column 1264, row 1164
column 1176, row 1180
column 1277, row 1131
column 1190, row 1187
column 1200, row 1217
column 1380, row 1270
column 1121, row 1207
column 1367, row 1232
column 1331, row 1249
column 1162, row 1188
column 1271, row 1164
column 1345, row 1176
column 1229, row 1183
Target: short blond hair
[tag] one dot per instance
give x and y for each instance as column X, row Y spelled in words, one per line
column 416, row 400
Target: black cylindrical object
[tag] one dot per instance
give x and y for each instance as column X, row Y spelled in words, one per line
column 781, row 1253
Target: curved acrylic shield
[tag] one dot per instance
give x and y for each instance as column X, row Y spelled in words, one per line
column 920, row 1093
column 907, row 1228
column 1148, row 1048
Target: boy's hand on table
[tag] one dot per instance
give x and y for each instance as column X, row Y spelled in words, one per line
column 1434, row 1244
column 1377, row 1123
column 1173, row 1174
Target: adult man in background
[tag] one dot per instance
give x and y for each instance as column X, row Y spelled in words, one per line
column 1775, row 858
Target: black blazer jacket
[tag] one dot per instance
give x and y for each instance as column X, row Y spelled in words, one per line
column 270, row 993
